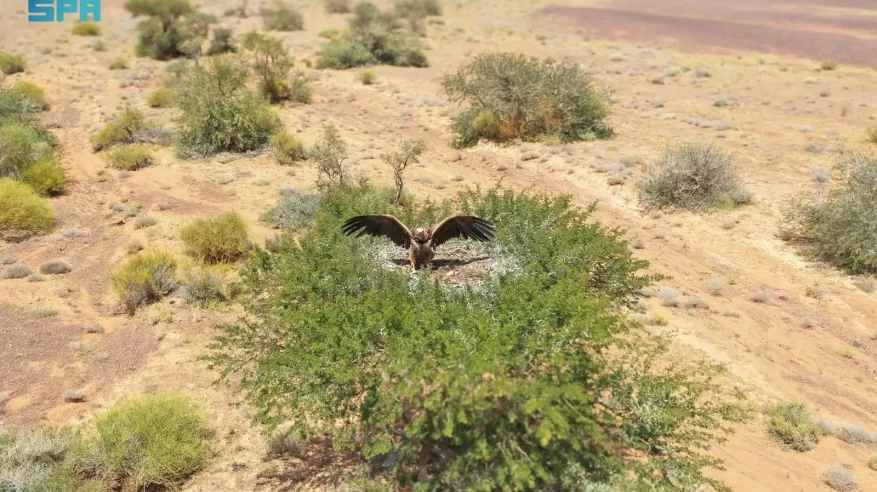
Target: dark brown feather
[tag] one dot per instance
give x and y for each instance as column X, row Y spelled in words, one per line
column 464, row 227
column 378, row 225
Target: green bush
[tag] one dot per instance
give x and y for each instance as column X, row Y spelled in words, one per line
column 10, row 64
column 374, row 38
column 271, row 62
column 283, row 18
column 21, row 209
column 129, row 126
column 693, row 177
column 33, row 93
column 220, row 114
column 792, row 425
column 144, row 278
column 287, row 148
column 20, row 146
column 147, row 443
column 527, row 378
column 45, row 177
column 86, row 29
column 173, row 28
column 222, row 42
column 530, row 99
column 162, row 97
column 417, row 8
column 219, row 239
column 129, row 157
column 840, row 226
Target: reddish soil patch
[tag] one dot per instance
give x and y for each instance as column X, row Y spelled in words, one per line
column 761, row 30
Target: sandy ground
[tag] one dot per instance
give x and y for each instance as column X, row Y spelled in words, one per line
column 780, row 105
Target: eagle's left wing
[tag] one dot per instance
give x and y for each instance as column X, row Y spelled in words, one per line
column 378, row 225
column 465, row 227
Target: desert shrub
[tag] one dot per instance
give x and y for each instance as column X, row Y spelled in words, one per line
column 839, row 226
column 10, row 64
column 55, row 267
column 330, row 154
column 368, row 77
column 173, row 28
column 300, row 88
column 21, row 209
column 33, row 93
column 417, row 8
column 203, row 285
column 515, row 96
column 217, row 239
column 271, row 62
column 854, row 434
column 16, row 107
column 337, row 6
column 491, row 386
column 86, row 29
column 222, row 42
column 220, row 114
column 120, row 63
column 283, row 18
column 129, row 157
column 32, row 460
column 144, row 278
column 147, row 443
column 20, row 146
column 296, row 210
column 129, row 126
column 162, row 97
column 45, row 177
column 287, row 148
column 840, row 478
column 693, row 177
column 374, row 38
column 828, row 65
column 15, row 270
column 792, row 425
column 871, row 134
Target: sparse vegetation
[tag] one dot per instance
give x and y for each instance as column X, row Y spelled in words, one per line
column 871, row 134
column 693, row 177
column 399, row 161
column 669, row 297
column 828, row 65
column 45, row 177
column 162, row 97
column 337, row 6
column 86, row 29
column 147, row 443
column 220, row 114
column 128, row 127
column 223, row 42
column 203, row 286
column 73, row 395
column 21, row 209
column 287, row 148
column 173, row 28
column 219, row 239
column 55, row 267
column 762, row 297
column 840, row 478
column 407, row 9
column 15, row 270
column 144, row 278
column 21, row 145
column 283, row 18
column 518, row 97
column 854, row 434
column 120, row 63
column 295, row 211
column 33, row 93
column 330, row 155
column 30, row 460
column 792, row 425
column 540, row 401
column 373, row 38
column 368, row 77
column 715, row 287
column 840, row 225
column 129, row 157
column 10, row 64
column 271, row 62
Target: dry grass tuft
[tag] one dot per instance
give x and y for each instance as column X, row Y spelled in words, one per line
column 219, row 239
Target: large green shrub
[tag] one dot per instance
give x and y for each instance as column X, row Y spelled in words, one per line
column 840, row 225
column 20, row 146
column 217, row 239
column 147, row 443
column 219, row 112
column 271, row 63
column 45, row 177
column 173, row 28
column 527, row 378
column 21, row 209
column 527, row 98
column 693, row 177
column 374, row 38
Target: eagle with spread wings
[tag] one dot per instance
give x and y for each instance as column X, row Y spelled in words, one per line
column 422, row 243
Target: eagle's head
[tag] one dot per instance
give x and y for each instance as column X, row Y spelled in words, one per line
column 421, row 235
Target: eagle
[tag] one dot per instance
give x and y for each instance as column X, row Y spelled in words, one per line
column 422, row 243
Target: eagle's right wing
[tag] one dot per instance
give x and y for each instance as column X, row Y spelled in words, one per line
column 378, row 225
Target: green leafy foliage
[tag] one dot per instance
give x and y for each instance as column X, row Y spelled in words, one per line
column 792, row 425
column 693, row 177
column 525, row 98
column 45, row 177
column 21, row 209
column 219, row 239
column 219, row 112
column 374, row 38
column 839, row 226
column 147, row 443
column 529, row 379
